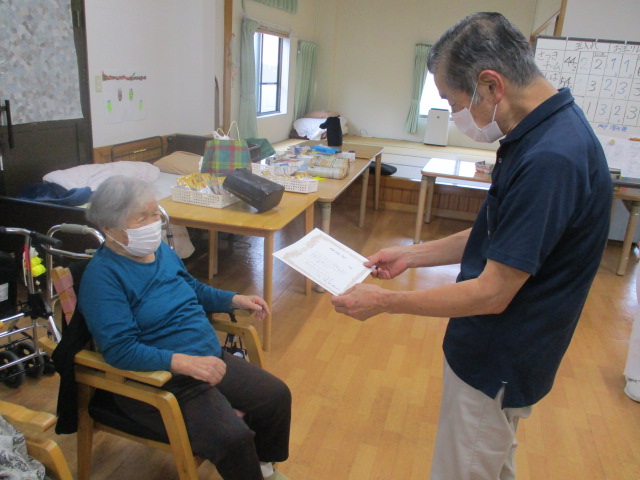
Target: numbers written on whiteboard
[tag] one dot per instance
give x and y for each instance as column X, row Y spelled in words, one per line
column 604, row 77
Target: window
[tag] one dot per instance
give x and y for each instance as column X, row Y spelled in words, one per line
column 269, row 50
column 431, row 97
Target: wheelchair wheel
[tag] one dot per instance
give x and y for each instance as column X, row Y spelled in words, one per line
column 34, row 367
column 14, row 375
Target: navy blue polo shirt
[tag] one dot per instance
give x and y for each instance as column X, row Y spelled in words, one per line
column 547, row 214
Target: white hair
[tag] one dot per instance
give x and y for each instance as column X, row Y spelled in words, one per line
column 116, row 199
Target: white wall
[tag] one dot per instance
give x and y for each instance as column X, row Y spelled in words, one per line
column 610, row 20
column 372, row 71
column 545, row 9
column 364, row 64
column 175, row 44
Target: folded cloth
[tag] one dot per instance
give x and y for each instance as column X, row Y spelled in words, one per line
column 54, row 193
column 93, row 174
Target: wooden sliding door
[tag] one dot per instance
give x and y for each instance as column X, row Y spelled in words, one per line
column 44, row 60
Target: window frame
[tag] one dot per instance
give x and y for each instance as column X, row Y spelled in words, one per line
column 259, row 53
column 435, row 101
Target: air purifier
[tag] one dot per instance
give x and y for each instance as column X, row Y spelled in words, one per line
column 437, row 132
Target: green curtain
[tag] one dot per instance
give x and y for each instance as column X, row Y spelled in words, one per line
column 247, row 115
column 290, row 6
column 305, row 73
column 419, row 77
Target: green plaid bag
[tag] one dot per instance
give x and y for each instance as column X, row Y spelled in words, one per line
column 223, row 156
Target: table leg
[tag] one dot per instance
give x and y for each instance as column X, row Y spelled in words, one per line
column 363, row 197
column 325, row 226
column 378, row 173
column 308, row 226
column 325, row 221
column 268, row 289
column 634, row 211
column 431, row 186
column 213, row 254
column 420, row 213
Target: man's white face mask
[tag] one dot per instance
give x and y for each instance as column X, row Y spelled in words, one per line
column 467, row 125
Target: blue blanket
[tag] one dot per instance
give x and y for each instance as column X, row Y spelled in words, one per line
column 54, row 193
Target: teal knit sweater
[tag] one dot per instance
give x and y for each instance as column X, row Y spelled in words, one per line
column 141, row 313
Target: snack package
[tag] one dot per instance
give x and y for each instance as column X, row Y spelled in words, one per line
column 202, row 182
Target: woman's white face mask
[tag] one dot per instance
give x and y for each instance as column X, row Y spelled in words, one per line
column 467, row 125
column 144, row 240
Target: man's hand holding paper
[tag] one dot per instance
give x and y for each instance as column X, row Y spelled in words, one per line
column 387, row 263
column 361, row 301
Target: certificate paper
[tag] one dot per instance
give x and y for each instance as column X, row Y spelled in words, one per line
column 324, row 260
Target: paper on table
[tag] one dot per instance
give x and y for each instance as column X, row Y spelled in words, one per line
column 622, row 153
column 324, row 260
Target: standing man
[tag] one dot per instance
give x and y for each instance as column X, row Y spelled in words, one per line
column 526, row 264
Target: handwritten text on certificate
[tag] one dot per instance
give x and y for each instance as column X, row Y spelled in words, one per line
column 324, row 260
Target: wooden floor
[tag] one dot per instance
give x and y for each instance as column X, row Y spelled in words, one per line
column 366, row 395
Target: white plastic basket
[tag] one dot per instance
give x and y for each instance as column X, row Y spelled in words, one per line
column 185, row 195
column 290, row 184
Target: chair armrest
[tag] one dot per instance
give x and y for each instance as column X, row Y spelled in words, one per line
column 96, row 361
column 47, row 344
column 25, row 419
column 32, row 423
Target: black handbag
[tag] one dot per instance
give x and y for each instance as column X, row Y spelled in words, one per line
column 233, row 343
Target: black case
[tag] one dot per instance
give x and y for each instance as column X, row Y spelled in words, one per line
column 8, row 285
column 256, row 190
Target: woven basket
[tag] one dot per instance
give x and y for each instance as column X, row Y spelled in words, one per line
column 290, row 184
column 184, row 195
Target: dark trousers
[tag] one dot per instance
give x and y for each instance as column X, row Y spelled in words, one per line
column 233, row 444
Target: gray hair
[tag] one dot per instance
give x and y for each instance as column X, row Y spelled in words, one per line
column 484, row 40
column 116, row 199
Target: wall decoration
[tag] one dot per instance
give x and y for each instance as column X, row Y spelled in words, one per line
column 123, row 97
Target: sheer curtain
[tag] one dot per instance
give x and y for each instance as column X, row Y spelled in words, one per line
column 247, row 115
column 305, row 72
column 419, row 77
column 290, row 6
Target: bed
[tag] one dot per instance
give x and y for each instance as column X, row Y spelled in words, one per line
column 178, row 156
column 308, row 127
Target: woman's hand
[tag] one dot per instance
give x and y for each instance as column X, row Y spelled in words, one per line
column 207, row 369
column 252, row 303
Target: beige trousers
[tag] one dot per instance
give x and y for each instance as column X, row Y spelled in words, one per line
column 476, row 437
column 632, row 368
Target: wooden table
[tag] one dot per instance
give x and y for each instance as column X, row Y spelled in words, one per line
column 631, row 200
column 330, row 189
column 465, row 170
column 363, row 152
column 242, row 219
column 444, row 168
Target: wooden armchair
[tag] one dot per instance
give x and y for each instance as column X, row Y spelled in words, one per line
column 93, row 373
column 33, row 424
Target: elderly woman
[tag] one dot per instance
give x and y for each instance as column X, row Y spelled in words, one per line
column 146, row 312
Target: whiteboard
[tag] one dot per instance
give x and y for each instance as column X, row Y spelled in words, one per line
column 604, row 78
